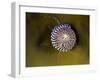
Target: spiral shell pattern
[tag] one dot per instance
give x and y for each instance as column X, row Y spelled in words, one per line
column 63, row 37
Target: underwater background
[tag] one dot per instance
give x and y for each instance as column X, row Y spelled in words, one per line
column 39, row 49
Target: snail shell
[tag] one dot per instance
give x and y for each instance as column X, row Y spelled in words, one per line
column 63, row 37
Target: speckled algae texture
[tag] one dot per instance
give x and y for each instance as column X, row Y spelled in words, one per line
column 39, row 50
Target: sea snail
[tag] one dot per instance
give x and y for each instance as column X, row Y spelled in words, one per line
column 63, row 37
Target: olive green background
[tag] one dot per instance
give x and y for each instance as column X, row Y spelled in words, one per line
column 39, row 50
